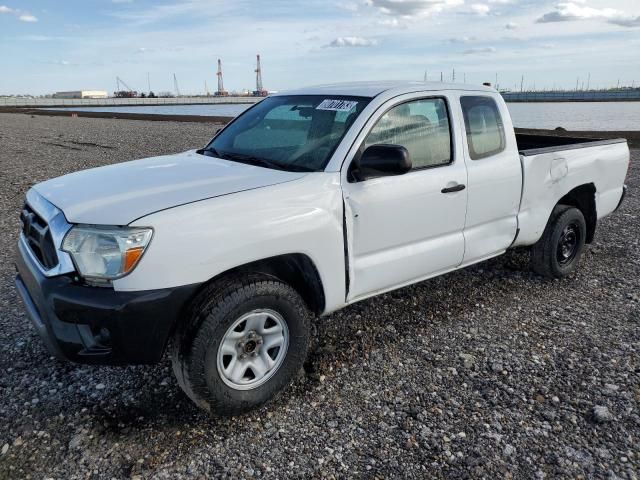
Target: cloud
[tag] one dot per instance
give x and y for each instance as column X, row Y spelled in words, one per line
column 462, row 39
column 512, row 26
column 578, row 10
column 39, row 38
column 412, row 8
column 22, row 16
column 626, row 22
column 479, row 50
column 352, row 42
column 480, row 9
column 27, row 17
column 391, row 22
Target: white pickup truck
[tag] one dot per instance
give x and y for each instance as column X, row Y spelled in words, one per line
column 309, row 201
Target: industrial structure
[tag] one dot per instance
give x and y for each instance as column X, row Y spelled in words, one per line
column 81, row 94
column 259, row 91
column 175, row 85
column 123, row 90
column 613, row 95
column 221, row 92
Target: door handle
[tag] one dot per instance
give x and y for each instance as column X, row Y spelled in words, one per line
column 456, row 188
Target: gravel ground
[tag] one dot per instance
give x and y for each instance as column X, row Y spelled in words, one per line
column 491, row 371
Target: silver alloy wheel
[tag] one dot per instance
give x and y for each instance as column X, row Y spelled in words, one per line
column 252, row 349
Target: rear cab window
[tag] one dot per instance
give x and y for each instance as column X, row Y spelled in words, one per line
column 483, row 124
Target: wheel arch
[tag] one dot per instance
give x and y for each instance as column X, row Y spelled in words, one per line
column 296, row 269
column 583, row 197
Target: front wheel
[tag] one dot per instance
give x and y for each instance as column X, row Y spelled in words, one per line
column 244, row 341
column 557, row 253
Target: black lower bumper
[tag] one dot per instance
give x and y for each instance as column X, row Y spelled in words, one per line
column 98, row 325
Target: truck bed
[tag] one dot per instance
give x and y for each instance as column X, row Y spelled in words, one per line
column 529, row 144
column 554, row 166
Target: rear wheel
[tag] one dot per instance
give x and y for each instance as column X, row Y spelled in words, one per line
column 557, row 253
column 244, row 340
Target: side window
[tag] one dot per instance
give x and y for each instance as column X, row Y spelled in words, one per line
column 483, row 123
column 421, row 126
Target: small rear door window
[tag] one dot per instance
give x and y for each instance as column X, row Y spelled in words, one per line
column 483, row 123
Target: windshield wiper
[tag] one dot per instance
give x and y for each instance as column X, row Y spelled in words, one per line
column 209, row 152
column 253, row 160
column 262, row 162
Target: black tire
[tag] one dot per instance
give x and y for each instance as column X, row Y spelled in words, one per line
column 195, row 344
column 556, row 254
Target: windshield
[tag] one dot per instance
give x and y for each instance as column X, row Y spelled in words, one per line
column 296, row 132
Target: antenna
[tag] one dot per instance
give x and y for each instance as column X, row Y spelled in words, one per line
column 148, row 82
column 425, row 76
column 453, row 76
column 522, row 84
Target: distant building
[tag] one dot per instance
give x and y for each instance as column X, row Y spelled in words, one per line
column 81, row 94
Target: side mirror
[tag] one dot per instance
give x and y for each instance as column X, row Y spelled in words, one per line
column 381, row 161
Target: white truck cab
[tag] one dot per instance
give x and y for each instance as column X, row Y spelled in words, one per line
column 307, row 202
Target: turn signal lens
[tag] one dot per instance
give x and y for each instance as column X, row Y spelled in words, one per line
column 131, row 257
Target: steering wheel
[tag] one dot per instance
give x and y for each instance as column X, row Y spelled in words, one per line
column 311, row 146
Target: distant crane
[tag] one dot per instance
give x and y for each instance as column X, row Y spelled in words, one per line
column 129, row 92
column 221, row 92
column 259, row 91
column 175, row 85
column 120, row 81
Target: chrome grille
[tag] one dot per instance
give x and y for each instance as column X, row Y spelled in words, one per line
column 38, row 237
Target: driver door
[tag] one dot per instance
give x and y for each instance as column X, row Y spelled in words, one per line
column 402, row 229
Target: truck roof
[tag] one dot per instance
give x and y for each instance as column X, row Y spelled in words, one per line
column 373, row 89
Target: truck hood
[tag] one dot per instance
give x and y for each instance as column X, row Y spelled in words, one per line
column 121, row 193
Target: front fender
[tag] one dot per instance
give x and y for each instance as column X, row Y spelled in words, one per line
column 196, row 242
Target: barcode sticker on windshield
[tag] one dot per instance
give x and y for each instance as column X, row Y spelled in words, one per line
column 337, row 105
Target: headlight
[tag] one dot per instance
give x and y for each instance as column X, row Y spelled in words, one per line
column 106, row 253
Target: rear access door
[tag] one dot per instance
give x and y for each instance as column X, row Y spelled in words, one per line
column 494, row 176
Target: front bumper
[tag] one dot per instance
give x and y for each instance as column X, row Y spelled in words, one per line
column 98, row 325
